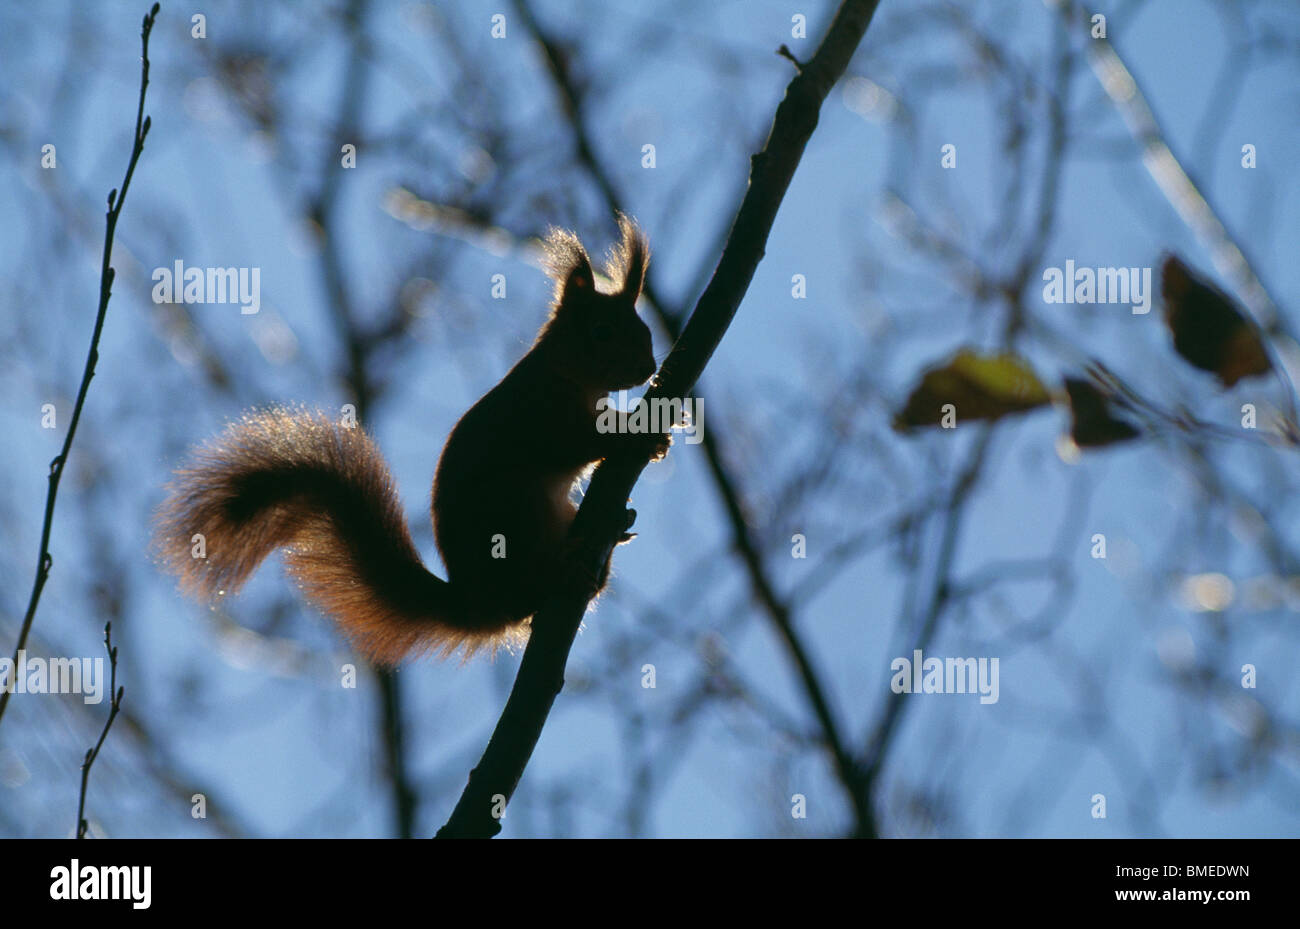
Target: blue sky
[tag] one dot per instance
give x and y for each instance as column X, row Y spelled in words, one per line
column 265, row 720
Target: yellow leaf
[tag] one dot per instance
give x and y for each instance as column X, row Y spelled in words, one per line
column 977, row 386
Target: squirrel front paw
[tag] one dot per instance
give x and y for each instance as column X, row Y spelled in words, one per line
column 628, row 536
column 654, row 445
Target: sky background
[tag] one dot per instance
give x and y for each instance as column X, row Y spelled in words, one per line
column 248, row 702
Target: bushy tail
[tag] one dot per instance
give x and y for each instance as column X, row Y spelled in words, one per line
column 295, row 480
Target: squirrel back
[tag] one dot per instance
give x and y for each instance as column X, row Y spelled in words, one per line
column 321, row 491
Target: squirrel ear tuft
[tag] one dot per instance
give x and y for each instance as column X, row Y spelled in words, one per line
column 628, row 260
column 579, row 279
column 567, row 262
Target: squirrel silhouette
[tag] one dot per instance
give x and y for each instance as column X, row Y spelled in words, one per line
column 321, row 491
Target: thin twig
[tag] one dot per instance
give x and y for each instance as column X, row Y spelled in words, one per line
column 602, row 517
column 785, row 52
column 116, row 199
column 115, row 704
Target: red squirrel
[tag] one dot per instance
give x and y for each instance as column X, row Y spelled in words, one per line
column 295, row 480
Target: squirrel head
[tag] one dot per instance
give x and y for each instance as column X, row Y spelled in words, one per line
column 595, row 335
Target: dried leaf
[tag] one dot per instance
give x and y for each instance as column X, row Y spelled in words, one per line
column 1209, row 330
column 1092, row 424
column 978, row 387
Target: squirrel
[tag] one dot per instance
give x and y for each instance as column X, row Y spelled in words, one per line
column 321, row 491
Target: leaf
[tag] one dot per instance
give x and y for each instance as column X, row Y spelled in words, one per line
column 978, row 386
column 1209, row 329
column 1091, row 423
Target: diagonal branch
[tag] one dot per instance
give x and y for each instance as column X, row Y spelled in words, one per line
column 602, row 516
column 776, row 608
column 1167, row 171
column 116, row 199
column 1192, row 206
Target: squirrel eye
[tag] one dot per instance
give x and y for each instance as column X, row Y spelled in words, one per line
column 602, row 331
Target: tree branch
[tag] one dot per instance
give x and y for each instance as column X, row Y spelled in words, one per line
column 359, row 377
column 1169, row 174
column 601, row 518
column 114, row 705
column 116, row 199
column 775, row 607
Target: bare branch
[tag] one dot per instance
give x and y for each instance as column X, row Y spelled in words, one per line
column 114, row 705
column 116, row 200
column 601, row 518
column 775, row 607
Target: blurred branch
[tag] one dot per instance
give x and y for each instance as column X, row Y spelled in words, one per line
column 116, row 200
column 1180, row 190
column 602, row 516
column 941, row 591
column 359, row 380
column 1167, row 170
